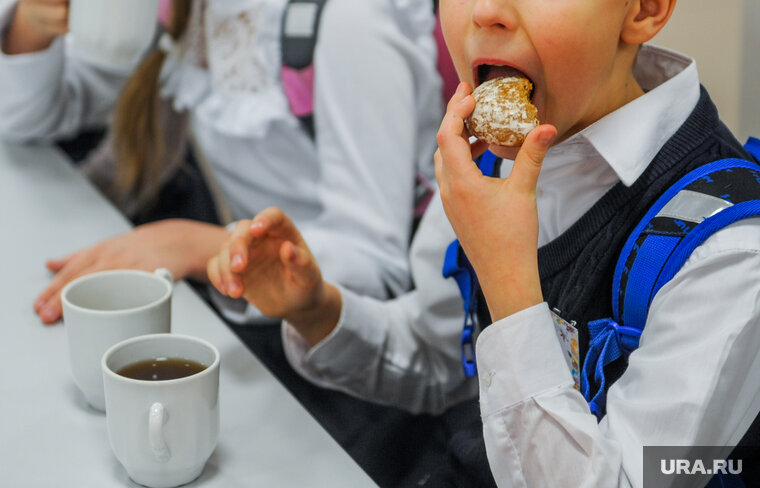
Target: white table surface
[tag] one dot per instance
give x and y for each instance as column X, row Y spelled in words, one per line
column 49, row 437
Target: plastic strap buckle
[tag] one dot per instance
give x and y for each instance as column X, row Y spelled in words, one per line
column 468, row 351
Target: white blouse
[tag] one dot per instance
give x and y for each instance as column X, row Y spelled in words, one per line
column 377, row 108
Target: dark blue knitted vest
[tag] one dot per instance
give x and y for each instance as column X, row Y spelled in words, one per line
column 577, row 267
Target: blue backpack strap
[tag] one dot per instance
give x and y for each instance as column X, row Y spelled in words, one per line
column 698, row 205
column 457, row 266
column 753, row 147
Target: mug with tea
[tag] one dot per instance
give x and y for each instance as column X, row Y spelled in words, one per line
column 162, row 406
column 112, row 33
column 101, row 309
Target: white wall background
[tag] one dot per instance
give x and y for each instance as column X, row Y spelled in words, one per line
column 724, row 37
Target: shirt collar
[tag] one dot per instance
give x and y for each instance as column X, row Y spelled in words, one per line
column 630, row 137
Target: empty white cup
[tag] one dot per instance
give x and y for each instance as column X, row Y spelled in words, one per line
column 101, row 309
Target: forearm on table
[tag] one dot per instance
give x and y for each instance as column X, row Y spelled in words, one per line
column 196, row 242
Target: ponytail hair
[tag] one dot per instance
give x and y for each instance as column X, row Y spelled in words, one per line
column 136, row 126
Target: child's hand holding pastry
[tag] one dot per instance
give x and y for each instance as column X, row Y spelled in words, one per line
column 267, row 262
column 495, row 219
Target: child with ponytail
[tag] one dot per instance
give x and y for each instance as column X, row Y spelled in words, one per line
column 213, row 82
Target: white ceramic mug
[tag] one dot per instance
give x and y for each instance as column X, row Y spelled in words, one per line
column 164, row 431
column 112, row 33
column 101, row 309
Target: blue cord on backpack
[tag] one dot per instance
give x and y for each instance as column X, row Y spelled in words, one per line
column 457, row 266
column 654, row 252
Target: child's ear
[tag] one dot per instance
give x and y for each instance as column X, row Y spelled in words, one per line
column 644, row 20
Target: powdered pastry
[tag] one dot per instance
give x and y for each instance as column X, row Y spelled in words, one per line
column 503, row 113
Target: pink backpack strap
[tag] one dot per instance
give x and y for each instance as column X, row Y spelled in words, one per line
column 299, row 89
column 164, row 11
column 298, row 39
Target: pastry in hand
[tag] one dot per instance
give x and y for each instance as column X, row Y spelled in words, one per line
column 503, row 113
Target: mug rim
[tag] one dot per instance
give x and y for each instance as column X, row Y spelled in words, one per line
column 98, row 274
column 113, row 374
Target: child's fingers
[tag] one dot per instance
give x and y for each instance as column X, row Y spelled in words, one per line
column 52, row 311
column 266, row 220
column 273, row 221
column 454, row 158
column 452, row 128
column 300, row 263
column 212, row 271
column 239, row 243
column 463, row 90
column 45, row 304
column 524, row 175
column 53, row 16
column 55, row 265
column 459, row 107
column 230, row 284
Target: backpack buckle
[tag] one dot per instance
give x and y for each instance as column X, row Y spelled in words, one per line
column 468, row 353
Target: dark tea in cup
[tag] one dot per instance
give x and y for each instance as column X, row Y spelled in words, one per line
column 161, row 369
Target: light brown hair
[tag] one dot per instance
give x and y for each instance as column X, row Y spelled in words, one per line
column 136, row 128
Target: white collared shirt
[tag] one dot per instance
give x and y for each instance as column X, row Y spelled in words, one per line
column 690, row 383
column 538, row 428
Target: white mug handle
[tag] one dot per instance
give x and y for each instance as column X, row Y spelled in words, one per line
column 156, row 420
column 165, row 274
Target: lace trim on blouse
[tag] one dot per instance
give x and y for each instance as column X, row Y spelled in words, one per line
column 226, row 68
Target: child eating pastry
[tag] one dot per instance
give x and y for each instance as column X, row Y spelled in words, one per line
column 623, row 122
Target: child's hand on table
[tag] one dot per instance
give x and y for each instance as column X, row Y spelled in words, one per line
column 267, row 262
column 495, row 219
column 182, row 246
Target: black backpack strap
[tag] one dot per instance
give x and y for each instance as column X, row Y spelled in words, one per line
column 298, row 39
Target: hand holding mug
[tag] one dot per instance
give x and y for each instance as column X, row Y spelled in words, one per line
column 35, row 25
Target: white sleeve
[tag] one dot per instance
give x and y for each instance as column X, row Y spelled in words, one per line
column 369, row 75
column 692, row 382
column 52, row 94
column 404, row 352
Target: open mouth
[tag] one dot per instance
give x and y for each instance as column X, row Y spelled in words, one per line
column 486, row 72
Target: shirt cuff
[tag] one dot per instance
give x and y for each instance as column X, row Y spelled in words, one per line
column 518, row 358
column 335, row 361
column 32, row 70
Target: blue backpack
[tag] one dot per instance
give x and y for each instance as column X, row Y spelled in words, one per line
column 704, row 201
column 701, row 203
